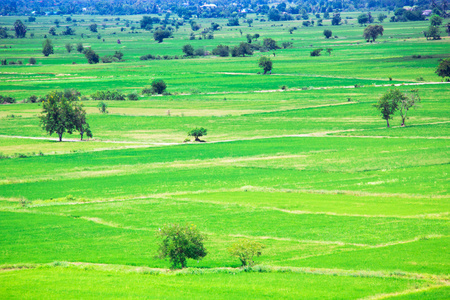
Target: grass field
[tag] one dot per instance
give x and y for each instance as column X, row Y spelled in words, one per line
column 346, row 208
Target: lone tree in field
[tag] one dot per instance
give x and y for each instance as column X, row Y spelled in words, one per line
column 180, row 243
column 327, row 33
column 188, row 50
column 80, row 47
column 372, row 32
column 160, row 34
column 47, row 47
column 245, row 250
column 388, row 104
column 158, row 86
column 60, row 115
column 198, row 132
column 93, row 27
column 20, row 29
column 69, row 47
column 92, row 57
column 408, row 101
column 443, row 68
column 266, row 64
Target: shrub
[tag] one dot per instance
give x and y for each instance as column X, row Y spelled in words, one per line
column 147, row 90
column 327, row 33
column 158, row 86
column 316, row 52
column 102, row 107
column 108, row 95
column 32, row 61
column 180, row 243
column 7, row 99
column 147, row 57
column 32, row 99
column 92, row 57
column 221, row 50
column 133, row 96
column 286, row 45
column 245, row 251
column 199, row 52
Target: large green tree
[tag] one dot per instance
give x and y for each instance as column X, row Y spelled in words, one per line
column 443, row 68
column 47, row 47
column 372, row 32
column 179, row 243
column 20, row 29
column 60, row 115
column 266, row 64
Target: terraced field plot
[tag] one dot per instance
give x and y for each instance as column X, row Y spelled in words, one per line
column 345, row 207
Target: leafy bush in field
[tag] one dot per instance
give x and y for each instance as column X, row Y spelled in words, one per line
column 32, row 99
column 32, row 61
column 188, row 50
column 316, row 52
column 443, row 68
column 327, row 33
column 92, row 57
column 233, row 22
column 147, row 91
column 7, row 99
column 47, row 47
column 198, row 132
column 245, row 251
column 108, row 95
column 147, row 57
column 133, row 96
column 72, row 94
column 179, row 243
column 242, row 50
column 221, row 50
column 158, row 86
column 287, row 45
column 102, row 107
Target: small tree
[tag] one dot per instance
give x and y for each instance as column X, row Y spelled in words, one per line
column 47, row 47
column 266, row 64
column 20, row 29
column 52, row 31
column 80, row 121
column 443, row 68
column 388, row 104
column 329, row 50
column 435, row 20
column 407, row 102
column 80, row 47
column 102, row 107
column 270, row 44
column 221, row 50
column 32, row 61
column 188, row 50
column 160, row 34
column 327, row 33
column 93, row 27
column 92, row 57
column 158, row 86
column 198, row 132
column 245, row 251
column 372, row 32
column 363, row 19
column 336, row 19
column 69, row 47
column 180, row 243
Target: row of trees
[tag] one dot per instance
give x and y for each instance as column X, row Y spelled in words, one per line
column 394, row 100
column 179, row 243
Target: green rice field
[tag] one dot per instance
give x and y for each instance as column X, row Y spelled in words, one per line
column 298, row 160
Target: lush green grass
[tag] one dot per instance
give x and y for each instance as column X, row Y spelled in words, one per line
column 345, row 207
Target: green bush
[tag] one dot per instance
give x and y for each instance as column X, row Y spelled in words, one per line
column 158, row 86
column 198, row 132
column 108, row 95
column 245, row 250
column 179, row 243
column 133, row 96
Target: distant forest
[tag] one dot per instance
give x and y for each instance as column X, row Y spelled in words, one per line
column 204, row 9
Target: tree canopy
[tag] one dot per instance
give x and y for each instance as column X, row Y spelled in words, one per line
column 266, row 64
column 372, row 32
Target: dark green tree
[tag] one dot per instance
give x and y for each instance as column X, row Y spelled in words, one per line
column 47, row 47
column 198, row 132
column 266, row 64
column 372, row 32
column 158, row 86
column 327, row 33
column 69, row 47
column 270, row 44
column 179, row 243
column 388, row 104
column 188, row 50
column 443, row 68
column 160, row 34
column 93, row 27
column 80, row 47
column 57, row 115
column 20, row 29
column 221, row 50
column 92, row 57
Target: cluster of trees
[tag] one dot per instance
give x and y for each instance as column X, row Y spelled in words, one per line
column 179, row 243
column 62, row 114
column 433, row 32
column 158, row 87
column 394, row 100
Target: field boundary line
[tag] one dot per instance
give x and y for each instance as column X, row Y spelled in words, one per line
column 438, row 280
column 405, row 292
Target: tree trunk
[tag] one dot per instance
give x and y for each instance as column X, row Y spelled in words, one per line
column 387, row 121
column 60, row 137
column 403, row 122
column 197, row 139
